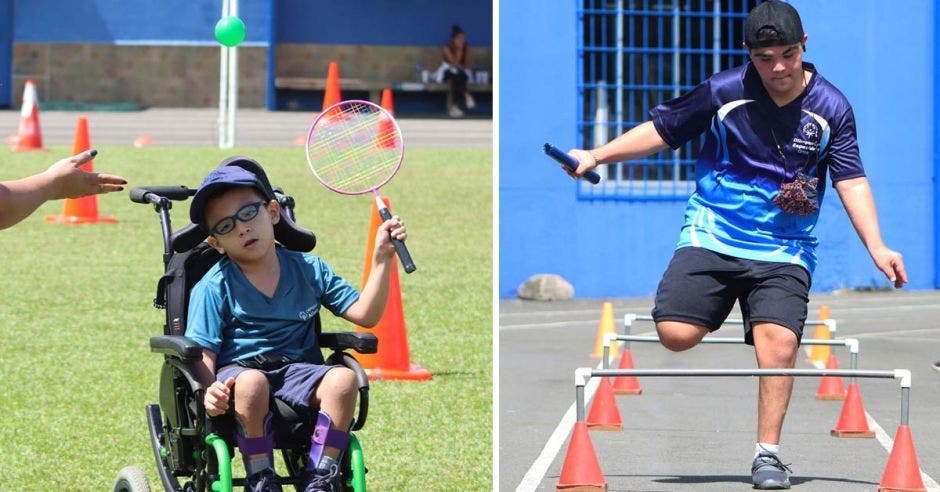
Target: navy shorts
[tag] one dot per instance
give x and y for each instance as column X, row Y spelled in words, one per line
column 700, row 287
column 293, row 383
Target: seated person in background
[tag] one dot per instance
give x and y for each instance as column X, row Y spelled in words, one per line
column 454, row 71
column 253, row 314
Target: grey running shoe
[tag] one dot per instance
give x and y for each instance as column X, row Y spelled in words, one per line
column 767, row 472
column 263, row 481
column 322, row 483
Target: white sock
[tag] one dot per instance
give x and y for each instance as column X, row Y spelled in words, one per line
column 763, row 447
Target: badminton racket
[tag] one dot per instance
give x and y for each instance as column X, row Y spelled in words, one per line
column 355, row 147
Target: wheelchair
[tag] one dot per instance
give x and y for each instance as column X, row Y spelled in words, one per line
column 188, row 444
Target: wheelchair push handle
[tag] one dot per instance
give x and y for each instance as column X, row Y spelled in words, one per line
column 153, row 194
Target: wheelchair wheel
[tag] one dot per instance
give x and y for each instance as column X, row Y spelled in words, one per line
column 354, row 467
column 131, row 479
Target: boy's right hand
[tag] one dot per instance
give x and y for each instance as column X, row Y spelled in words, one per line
column 218, row 396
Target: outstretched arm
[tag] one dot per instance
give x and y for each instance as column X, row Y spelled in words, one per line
column 368, row 309
column 64, row 179
column 640, row 141
column 859, row 203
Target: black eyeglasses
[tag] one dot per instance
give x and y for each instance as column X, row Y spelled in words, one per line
column 244, row 214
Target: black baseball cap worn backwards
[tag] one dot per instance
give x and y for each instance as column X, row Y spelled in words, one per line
column 773, row 23
column 225, row 176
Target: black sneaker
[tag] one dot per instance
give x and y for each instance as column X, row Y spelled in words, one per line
column 263, row 481
column 936, row 366
column 321, row 483
column 767, row 472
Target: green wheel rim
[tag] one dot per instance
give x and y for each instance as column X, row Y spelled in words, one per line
column 357, row 464
column 224, row 483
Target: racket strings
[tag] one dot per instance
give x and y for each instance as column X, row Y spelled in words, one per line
column 355, row 149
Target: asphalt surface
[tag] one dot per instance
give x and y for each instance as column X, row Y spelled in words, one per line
column 254, row 128
column 685, row 434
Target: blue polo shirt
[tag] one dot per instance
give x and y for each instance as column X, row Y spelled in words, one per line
column 232, row 318
column 751, row 147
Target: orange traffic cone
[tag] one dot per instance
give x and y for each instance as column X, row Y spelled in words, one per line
column 831, row 387
column 627, row 385
column 604, row 414
column 902, row 473
column 605, row 326
column 387, row 135
column 852, row 422
column 581, row 471
column 819, row 354
column 143, row 140
column 82, row 210
column 392, row 359
column 332, row 94
column 29, row 136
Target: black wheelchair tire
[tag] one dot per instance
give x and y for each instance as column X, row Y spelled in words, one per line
column 131, row 479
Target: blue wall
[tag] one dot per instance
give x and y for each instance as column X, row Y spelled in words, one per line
column 608, row 249
column 6, row 51
column 405, row 22
column 133, row 22
column 389, row 22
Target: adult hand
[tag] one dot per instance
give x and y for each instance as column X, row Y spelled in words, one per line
column 891, row 263
column 68, row 180
column 218, row 396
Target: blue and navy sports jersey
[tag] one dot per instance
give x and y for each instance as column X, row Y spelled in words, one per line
column 751, row 148
column 232, row 318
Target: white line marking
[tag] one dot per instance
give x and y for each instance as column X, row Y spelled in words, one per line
column 922, row 331
column 537, row 471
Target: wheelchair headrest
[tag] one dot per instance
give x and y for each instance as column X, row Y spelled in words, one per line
column 286, row 231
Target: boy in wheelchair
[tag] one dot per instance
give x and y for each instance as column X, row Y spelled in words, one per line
column 251, row 314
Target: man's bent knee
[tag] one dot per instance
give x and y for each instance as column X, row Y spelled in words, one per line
column 678, row 336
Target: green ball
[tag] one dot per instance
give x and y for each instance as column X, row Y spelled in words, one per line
column 230, row 31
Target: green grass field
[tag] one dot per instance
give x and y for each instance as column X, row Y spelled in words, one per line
column 77, row 313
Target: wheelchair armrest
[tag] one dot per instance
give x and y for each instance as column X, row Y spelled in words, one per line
column 177, row 346
column 364, row 343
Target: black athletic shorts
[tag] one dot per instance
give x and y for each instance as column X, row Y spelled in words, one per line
column 700, row 287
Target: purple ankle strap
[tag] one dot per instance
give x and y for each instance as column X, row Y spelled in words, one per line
column 255, row 445
column 324, row 435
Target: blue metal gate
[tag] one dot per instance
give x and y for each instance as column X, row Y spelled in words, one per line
column 633, row 54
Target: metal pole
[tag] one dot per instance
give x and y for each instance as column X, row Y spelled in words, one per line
column 716, row 37
column 232, row 84
column 618, row 76
column 731, row 340
column 905, row 404
column 676, row 44
column 223, row 86
column 737, row 321
column 742, row 372
column 579, row 402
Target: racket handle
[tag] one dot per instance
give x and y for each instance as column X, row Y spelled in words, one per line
column 400, row 247
column 570, row 162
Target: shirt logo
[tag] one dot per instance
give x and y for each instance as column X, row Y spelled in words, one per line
column 308, row 313
column 810, row 142
column 810, row 131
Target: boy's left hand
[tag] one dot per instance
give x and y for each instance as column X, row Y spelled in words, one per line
column 383, row 243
